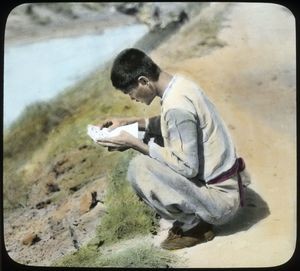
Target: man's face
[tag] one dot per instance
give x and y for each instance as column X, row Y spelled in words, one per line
column 144, row 92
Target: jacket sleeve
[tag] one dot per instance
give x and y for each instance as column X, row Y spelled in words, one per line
column 180, row 151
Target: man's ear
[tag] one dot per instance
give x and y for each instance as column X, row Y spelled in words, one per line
column 143, row 80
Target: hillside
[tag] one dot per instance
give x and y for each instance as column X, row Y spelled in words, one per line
column 61, row 190
column 57, row 186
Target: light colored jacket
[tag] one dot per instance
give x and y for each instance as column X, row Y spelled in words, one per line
column 197, row 143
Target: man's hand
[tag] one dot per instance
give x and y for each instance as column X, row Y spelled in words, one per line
column 125, row 141
column 117, row 122
column 114, row 123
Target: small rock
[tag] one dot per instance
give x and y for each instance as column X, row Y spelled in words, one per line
column 94, row 200
column 42, row 204
column 30, row 239
column 88, row 202
column 75, row 188
column 52, row 187
column 62, row 161
column 82, row 147
column 85, row 203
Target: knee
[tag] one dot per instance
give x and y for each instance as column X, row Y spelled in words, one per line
column 137, row 165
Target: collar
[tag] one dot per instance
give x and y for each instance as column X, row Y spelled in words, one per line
column 168, row 88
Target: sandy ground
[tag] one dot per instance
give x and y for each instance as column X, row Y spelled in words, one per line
column 252, row 82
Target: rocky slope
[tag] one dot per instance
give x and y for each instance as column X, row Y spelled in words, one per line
column 34, row 22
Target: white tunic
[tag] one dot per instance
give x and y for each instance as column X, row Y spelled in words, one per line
column 197, row 143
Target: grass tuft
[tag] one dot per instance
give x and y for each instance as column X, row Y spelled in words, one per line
column 138, row 253
column 126, row 214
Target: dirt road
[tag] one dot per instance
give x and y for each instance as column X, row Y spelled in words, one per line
column 252, row 82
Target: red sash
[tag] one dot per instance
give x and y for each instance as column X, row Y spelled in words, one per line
column 237, row 167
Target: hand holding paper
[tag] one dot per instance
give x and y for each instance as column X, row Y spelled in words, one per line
column 98, row 134
column 120, row 138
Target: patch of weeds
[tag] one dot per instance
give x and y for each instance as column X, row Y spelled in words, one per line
column 28, row 132
column 120, row 239
column 49, row 130
column 13, row 188
column 137, row 254
column 86, row 256
column 126, row 215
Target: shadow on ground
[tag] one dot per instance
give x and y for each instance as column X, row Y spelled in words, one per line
column 255, row 209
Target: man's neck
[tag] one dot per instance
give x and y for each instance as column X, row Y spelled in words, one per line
column 162, row 83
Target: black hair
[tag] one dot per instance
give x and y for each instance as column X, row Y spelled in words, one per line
column 129, row 65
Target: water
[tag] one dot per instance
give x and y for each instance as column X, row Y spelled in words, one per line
column 39, row 71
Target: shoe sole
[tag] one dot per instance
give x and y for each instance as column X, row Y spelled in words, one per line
column 208, row 236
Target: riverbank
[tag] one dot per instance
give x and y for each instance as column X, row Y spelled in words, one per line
column 54, row 65
column 29, row 23
column 55, row 185
column 229, row 50
column 67, row 41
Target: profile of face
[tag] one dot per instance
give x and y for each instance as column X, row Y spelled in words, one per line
column 145, row 91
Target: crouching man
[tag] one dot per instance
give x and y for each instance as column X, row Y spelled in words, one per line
column 192, row 176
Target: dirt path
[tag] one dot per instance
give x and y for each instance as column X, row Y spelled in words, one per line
column 252, row 83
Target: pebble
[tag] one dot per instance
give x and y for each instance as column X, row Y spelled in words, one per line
column 30, row 238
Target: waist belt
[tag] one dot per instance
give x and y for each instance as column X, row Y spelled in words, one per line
column 238, row 166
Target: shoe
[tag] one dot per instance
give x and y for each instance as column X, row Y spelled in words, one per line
column 178, row 239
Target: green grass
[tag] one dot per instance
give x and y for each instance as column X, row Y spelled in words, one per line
column 140, row 255
column 127, row 221
column 126, row 215
column 143, row 255
column 47, row 131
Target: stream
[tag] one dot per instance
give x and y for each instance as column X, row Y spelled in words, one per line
column 39, row 71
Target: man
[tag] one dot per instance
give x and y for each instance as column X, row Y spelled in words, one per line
column 193, row 176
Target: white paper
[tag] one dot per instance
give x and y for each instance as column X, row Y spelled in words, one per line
column 99, row 134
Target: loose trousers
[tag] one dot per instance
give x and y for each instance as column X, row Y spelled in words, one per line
column 181, row 200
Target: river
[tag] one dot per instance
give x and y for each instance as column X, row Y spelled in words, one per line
column 39, row 71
